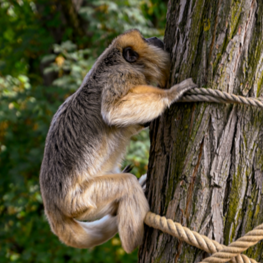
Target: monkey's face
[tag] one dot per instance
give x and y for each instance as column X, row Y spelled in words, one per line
column 146, row 56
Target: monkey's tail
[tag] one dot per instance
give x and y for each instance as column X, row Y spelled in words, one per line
column 80, row 234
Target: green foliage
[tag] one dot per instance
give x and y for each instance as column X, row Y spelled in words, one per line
column 138, row 153
column 70, row 64
column 22, row 38
column 107, row 19
column 32, row 54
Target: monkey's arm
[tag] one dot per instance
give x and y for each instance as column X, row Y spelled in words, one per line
column 143, row 104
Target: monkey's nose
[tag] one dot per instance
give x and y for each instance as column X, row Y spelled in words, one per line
column 156, row 42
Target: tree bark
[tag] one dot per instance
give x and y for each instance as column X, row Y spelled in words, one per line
column 206, row 159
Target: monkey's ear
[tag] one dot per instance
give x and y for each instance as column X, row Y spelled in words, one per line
column 130, row 55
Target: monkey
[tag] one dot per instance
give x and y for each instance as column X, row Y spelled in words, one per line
column 86, row 199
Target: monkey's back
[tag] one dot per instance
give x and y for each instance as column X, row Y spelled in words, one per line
column 75, row 132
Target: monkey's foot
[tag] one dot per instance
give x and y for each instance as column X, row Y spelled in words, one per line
column 142, row 181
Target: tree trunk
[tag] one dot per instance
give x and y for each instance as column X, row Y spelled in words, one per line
column 206, row 159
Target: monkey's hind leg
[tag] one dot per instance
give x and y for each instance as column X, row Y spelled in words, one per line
column 124, row 192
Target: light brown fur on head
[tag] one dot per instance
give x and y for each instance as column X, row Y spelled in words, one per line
column 153, row 62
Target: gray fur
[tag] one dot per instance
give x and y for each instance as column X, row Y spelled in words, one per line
column 75, row 131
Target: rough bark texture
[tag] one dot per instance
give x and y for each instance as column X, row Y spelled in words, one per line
column 206, row 160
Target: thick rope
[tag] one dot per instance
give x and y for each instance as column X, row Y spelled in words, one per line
column 220, row 252
column 237, row 247
column 193, row 238
column 211, row 95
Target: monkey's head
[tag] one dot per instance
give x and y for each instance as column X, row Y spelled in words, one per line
column 146, row 56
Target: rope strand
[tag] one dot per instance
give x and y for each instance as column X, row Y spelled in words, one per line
column 211, row 95
column 237, row 247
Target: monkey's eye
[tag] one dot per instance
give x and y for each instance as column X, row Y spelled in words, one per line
column 130, row 55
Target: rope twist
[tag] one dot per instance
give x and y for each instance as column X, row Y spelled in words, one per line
column 211, row 95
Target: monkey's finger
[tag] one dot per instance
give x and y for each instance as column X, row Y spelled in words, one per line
column 178, row 90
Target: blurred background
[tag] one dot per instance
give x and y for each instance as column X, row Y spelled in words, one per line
column 46, row 49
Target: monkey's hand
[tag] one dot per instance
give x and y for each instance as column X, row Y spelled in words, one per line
column 178, row 90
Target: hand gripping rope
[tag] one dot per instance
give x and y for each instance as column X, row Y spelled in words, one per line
column 220, row 253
